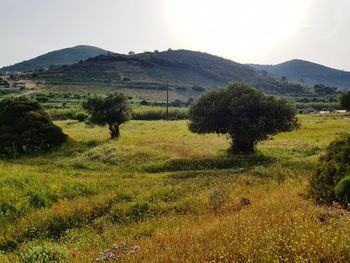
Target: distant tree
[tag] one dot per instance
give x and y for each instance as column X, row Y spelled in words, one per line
column 198, row 89
column 144, row 102
column 26, row 128
column 113, row 110
column 189, row 102
column 245, row 114
column 131, row 53
column 345, row 101
column 284, row 79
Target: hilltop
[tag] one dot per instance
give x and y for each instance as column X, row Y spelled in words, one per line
column 59, row 57
column 308, row 72
column 151, row 70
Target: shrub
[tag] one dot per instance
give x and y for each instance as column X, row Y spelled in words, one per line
column 104, row 153
column 342, row 190
column 345, row 101
column 40, row 199
column 326, row 184
column 26, row 128
column 160, row 114
column 217, row 198
column 6, row 210
column 68, row 114
column 44, row 253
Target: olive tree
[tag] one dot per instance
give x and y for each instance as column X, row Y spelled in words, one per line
column 345, row 100
column 113, row 110
column 243, row 113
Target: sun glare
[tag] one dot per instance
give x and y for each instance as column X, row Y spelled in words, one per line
column 236, row 27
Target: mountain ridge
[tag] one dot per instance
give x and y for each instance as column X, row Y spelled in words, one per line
column 307, row 72
column 181, row 68
column 63, row 56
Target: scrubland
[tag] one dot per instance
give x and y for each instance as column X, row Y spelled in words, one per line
column 176, row 196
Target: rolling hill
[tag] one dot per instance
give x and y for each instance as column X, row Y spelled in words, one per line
column 151, row 70
column 308, row 72
column 59, row 57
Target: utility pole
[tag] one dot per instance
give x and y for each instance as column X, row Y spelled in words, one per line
column 167, row 100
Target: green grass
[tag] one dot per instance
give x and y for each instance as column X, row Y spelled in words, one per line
column 176, row 194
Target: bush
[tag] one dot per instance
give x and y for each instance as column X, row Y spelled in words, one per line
column 345, row 101
column 104, row 153
column 160, row 114
column 68, row 114
column 44, row 253
column 329, row 182
column 217, row 198
column 342, row 190
column 40, row 199
column 26, row 128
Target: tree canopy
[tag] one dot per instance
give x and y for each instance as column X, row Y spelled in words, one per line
column 345, row 101
column 25, row 127
column 245, row 114
column 113, row 110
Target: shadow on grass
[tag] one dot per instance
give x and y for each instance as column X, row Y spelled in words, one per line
column 67, row 149
column 220, row 162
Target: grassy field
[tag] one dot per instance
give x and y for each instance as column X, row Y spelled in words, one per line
column 172, row 196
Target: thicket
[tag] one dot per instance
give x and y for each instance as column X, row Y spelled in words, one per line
column 331, row 180
column 26, row 128
column 160, row 114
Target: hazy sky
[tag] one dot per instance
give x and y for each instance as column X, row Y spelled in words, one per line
column 246, row 31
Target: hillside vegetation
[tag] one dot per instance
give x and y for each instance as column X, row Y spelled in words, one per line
column 183, row 69
column 305, row 71
column 59, row 57
column 163, row 194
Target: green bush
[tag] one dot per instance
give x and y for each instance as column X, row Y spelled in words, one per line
column 68, row 114
column 26, row 128
column 7, row 210
column 342, row 190
column 217, row 198
column 333, row 167
column 40, row 199
column 105, row 153
column 160, row 114
column 44, row 253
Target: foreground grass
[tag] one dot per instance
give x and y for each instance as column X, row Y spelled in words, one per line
column 175, row 194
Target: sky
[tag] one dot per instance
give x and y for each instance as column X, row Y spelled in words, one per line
column 246, row 31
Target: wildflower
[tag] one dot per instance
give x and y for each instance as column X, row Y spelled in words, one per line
column 74, row 254
column 54, row 253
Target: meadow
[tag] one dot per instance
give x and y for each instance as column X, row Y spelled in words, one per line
column 163, row 194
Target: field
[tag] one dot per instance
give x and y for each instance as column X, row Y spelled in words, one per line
column 172, row 196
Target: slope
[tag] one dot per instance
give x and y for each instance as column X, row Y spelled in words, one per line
column 59, row 57
column 305, row 71
column 151, row 70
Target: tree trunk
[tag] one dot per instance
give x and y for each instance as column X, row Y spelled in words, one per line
column 240, row 146
column 114, row 130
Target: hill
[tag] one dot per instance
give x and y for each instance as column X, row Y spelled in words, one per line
column 308, row 72
column 59, row 57
column 151, row 70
